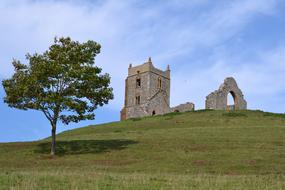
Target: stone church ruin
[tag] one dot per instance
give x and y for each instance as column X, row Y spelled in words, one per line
column 147, row 92
column 218, row 100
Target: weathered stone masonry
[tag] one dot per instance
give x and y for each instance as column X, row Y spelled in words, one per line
column 147, row 92
column 217, row 100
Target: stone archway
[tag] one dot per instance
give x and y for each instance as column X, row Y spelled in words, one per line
column 218, row 99
column 231, row 105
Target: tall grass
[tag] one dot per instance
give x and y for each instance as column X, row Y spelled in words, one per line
column 137, row 181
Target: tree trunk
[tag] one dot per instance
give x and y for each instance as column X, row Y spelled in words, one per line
column 53, row 133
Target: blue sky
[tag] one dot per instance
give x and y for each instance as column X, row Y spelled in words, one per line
column 203, row 41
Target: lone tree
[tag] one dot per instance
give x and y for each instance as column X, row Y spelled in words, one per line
column 63, row 83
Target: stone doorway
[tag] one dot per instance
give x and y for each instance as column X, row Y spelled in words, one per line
column 231, row 101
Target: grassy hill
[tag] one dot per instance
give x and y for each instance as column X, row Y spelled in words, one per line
column 194, row 150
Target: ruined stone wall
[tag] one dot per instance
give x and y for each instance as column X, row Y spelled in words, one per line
column 218, row 99
column 188, row 106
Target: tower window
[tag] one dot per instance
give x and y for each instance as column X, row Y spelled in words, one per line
column 159, row 85
column 138, row 83
column 138, row 100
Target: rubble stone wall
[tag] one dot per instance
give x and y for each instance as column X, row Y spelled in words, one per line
column 217, row 100
column 188, row 106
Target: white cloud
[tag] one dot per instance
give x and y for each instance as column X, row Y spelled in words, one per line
column 130, row 32
column 261, row 80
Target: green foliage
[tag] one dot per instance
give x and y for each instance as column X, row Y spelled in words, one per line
column 62, row 82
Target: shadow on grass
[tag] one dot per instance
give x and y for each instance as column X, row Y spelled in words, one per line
column 84, row 146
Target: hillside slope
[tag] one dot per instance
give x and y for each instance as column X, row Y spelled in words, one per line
column 199, row 150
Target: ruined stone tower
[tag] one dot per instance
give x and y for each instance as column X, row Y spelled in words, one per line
column 147, row 91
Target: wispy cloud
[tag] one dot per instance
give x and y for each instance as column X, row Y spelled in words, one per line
column 261, row 79
column 183, row 34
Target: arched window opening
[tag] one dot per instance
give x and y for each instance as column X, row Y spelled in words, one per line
column 153, row 112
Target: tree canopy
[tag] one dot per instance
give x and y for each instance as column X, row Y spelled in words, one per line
column 63, row 82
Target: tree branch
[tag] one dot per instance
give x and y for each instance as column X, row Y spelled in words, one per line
column 47, row 114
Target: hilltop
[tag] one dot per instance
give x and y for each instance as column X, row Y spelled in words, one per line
column 193, row 150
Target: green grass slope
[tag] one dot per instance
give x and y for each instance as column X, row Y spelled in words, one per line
column 194, row 150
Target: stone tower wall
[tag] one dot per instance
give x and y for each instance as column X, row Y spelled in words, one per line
column 153, row 97
column 133, row 91
column 154, row 92
column 154, row 86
